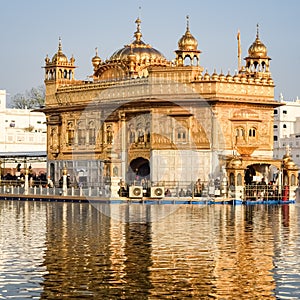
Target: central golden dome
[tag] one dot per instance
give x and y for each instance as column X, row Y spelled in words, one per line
column 141, row 51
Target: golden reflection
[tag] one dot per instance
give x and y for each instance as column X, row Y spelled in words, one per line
column 196, row 252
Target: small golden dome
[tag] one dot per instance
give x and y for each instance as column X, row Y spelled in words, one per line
column 214, row 76
column 96, row 60
column 206, row 76
column 235, row 162
column 47, row 59
column 187, row 42
column 222, row 77
column 236, row 78
column 229, row 77
column 59, row 56
column 257, row 49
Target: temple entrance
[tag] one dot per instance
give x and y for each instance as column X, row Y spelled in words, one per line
column 138, row 169
column 264, row 171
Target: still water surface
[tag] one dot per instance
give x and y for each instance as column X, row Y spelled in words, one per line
column 84, row 251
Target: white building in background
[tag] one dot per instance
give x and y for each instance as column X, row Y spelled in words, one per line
column 287, row 129
column 22, row 131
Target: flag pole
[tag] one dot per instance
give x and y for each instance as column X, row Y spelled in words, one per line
column 239, row 50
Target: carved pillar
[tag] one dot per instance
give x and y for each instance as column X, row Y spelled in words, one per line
column 123, row 146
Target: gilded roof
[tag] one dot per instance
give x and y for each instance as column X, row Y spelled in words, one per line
column 139, row 49
column 257, row 49
column 187, row 42
column 59, row 56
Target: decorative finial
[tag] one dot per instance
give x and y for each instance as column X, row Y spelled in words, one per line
column 257, row 31
column 138, row 34
column 59, row 45
column 187, row 23
column 96, row 50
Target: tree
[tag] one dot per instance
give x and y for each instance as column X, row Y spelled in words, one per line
column 33, row 98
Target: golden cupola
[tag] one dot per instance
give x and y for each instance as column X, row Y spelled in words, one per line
column 257, row 49
column 59, row 57
column 131, row 60
column 187, row 42
column 96, row 60
column 187, row 49
column 258, row 61
column 59, row 68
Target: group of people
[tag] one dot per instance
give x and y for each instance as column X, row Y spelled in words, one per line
column 198, row 188
column 34, row 179
column 262, row 190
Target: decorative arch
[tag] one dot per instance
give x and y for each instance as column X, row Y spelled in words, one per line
column 112, row 71
column 139, row 168
column 70, row 133
column 81, row 133
column 253, row 132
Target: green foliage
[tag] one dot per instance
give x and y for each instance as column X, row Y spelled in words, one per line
column 33, row 98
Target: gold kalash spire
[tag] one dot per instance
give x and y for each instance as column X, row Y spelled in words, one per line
column 187, row 47
column 187, row 41
column 138, row 34
column 258, row 49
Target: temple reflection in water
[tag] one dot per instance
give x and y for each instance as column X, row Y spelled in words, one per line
column 216, row 251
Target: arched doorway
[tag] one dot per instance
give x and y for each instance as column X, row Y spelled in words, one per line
column 138, row 169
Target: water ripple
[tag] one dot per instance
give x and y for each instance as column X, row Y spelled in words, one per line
column 77, row 251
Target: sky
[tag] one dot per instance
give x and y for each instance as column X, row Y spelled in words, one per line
column 31, row 29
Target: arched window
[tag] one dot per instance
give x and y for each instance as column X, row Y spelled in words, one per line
column 240, row 132
column 181, row 135
column 293, row 179
column 187, row 61
column 109, row 134
column 252, row 132
column 195, row 61
column 231, row 179
column 92, row 136
column 240, row 135
column 131, row 134
column 81, row 133
column 239, row 179
column 284, row 125
column 70, row 133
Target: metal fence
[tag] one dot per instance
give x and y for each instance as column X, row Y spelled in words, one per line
column 210, row 189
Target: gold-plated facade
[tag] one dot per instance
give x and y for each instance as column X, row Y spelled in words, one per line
column 142, row 116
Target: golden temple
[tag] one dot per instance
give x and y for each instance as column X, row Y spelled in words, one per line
column 143, row 117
